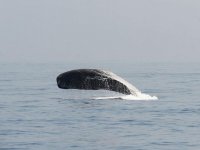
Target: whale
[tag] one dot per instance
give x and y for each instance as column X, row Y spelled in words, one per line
column 95, row 79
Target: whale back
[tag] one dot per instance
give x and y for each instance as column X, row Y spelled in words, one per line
column 95, row 79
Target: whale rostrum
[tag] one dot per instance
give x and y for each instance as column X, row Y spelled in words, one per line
column 95, row 79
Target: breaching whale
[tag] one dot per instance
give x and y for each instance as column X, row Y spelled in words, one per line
column 95, row 79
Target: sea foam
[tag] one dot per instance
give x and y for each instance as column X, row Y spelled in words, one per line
column 140, row 96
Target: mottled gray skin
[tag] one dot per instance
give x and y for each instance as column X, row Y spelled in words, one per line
column 91, row 79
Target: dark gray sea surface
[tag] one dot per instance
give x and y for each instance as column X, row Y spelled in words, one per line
column 36, row 115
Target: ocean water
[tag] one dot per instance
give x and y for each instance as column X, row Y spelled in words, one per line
column 36, row 115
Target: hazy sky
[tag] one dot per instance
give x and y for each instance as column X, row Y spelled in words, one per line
column 99, row 30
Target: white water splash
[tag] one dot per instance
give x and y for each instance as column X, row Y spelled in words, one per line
column 140, row 96
column 132, row 88
column 136, row 94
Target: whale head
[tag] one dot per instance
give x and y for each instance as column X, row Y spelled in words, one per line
column 94, row 79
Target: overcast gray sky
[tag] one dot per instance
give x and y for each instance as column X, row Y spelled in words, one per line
column 99, row 30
